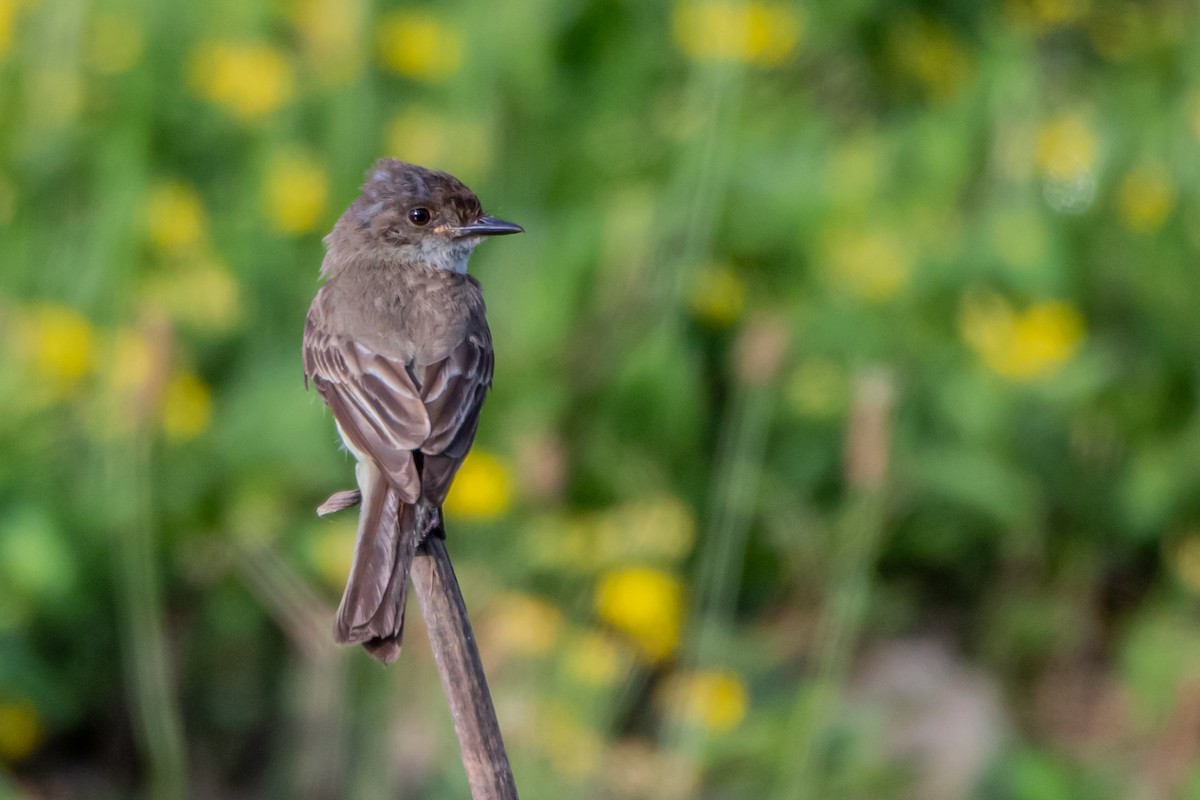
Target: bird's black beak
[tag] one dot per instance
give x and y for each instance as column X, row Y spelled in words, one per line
column 490, row 226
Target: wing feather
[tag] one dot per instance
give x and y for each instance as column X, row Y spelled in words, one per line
column 374, row 401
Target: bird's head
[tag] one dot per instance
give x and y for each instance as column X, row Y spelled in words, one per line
column 416, row 215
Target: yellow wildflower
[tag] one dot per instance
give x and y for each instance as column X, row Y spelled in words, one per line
column 758, row 33
column 9, row 11
column 130, row 364
column 58, row 343
column 116, row 42
column 482, row 490
column 1066, row 148
column 175, row 217
column 133, row 359
column 330, row 32
column 647, row 605
column 873, row 264
column 933, row 56
column 419, row 46
column 718, row 296
column 424, row 136
column 203, row 295
column 294, row 193
column 1146, row 199
column 331, row 551
column 251, row 79
column 1021, row 346
column 524, row 625
column 715, row 701
column 594, row 659
column 652, row 528
column 186, row 407
column 20, row 730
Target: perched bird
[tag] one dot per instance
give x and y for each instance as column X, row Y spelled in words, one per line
column 397, row 345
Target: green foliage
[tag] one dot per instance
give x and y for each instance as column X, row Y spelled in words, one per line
column 836, row 327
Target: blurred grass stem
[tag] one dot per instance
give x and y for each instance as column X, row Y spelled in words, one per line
column 856, row 543
column 157, row 722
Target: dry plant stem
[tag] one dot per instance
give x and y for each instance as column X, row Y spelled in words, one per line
column 488, row 772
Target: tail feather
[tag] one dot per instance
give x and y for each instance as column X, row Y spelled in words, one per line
column 372, row 607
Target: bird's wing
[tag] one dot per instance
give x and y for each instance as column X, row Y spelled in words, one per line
column 378, row 408
column 453, row 391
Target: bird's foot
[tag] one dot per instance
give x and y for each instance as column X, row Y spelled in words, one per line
column 429, row 523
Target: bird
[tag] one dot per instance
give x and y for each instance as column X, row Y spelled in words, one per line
column 396, row 343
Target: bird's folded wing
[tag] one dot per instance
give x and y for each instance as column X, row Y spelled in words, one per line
column 453, row 391
column 375, row 401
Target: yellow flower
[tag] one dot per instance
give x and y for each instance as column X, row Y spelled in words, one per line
column 116, row 42
column 186, row 407
column 294, row 193
column 59, row 344
column 1146, row 199
column 524, row 625
column 762, row 34
column 131, row 363
column 931, row 54
column 424, row 136
column 715, row 701
column 647, row 605
column 330, row 32
column 175, row 217
column 20, row 730
column 653, row 528
column 9, row 12
column 594, row 659
column 331, row 551
column 1066, row 148
column 419, row 46
column 718, row 296
column 482, row 489
column 250, row 79
column 873, row 264
column 203, row 295
column 1021, row 346
column 133, row 359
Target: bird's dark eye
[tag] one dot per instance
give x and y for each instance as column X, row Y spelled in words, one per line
column 419, row 216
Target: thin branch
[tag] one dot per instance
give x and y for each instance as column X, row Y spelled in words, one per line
column 488, row 772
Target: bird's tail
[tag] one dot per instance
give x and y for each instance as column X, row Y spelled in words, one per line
column 372, row 608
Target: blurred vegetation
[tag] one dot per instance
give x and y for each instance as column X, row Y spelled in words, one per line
column 844, row 441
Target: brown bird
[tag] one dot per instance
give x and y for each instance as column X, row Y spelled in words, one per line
column 397, row 345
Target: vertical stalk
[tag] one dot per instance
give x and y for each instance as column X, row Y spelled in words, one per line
column 157, row 722
column 856, row 542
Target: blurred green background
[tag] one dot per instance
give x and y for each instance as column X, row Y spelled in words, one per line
column 844, row 440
